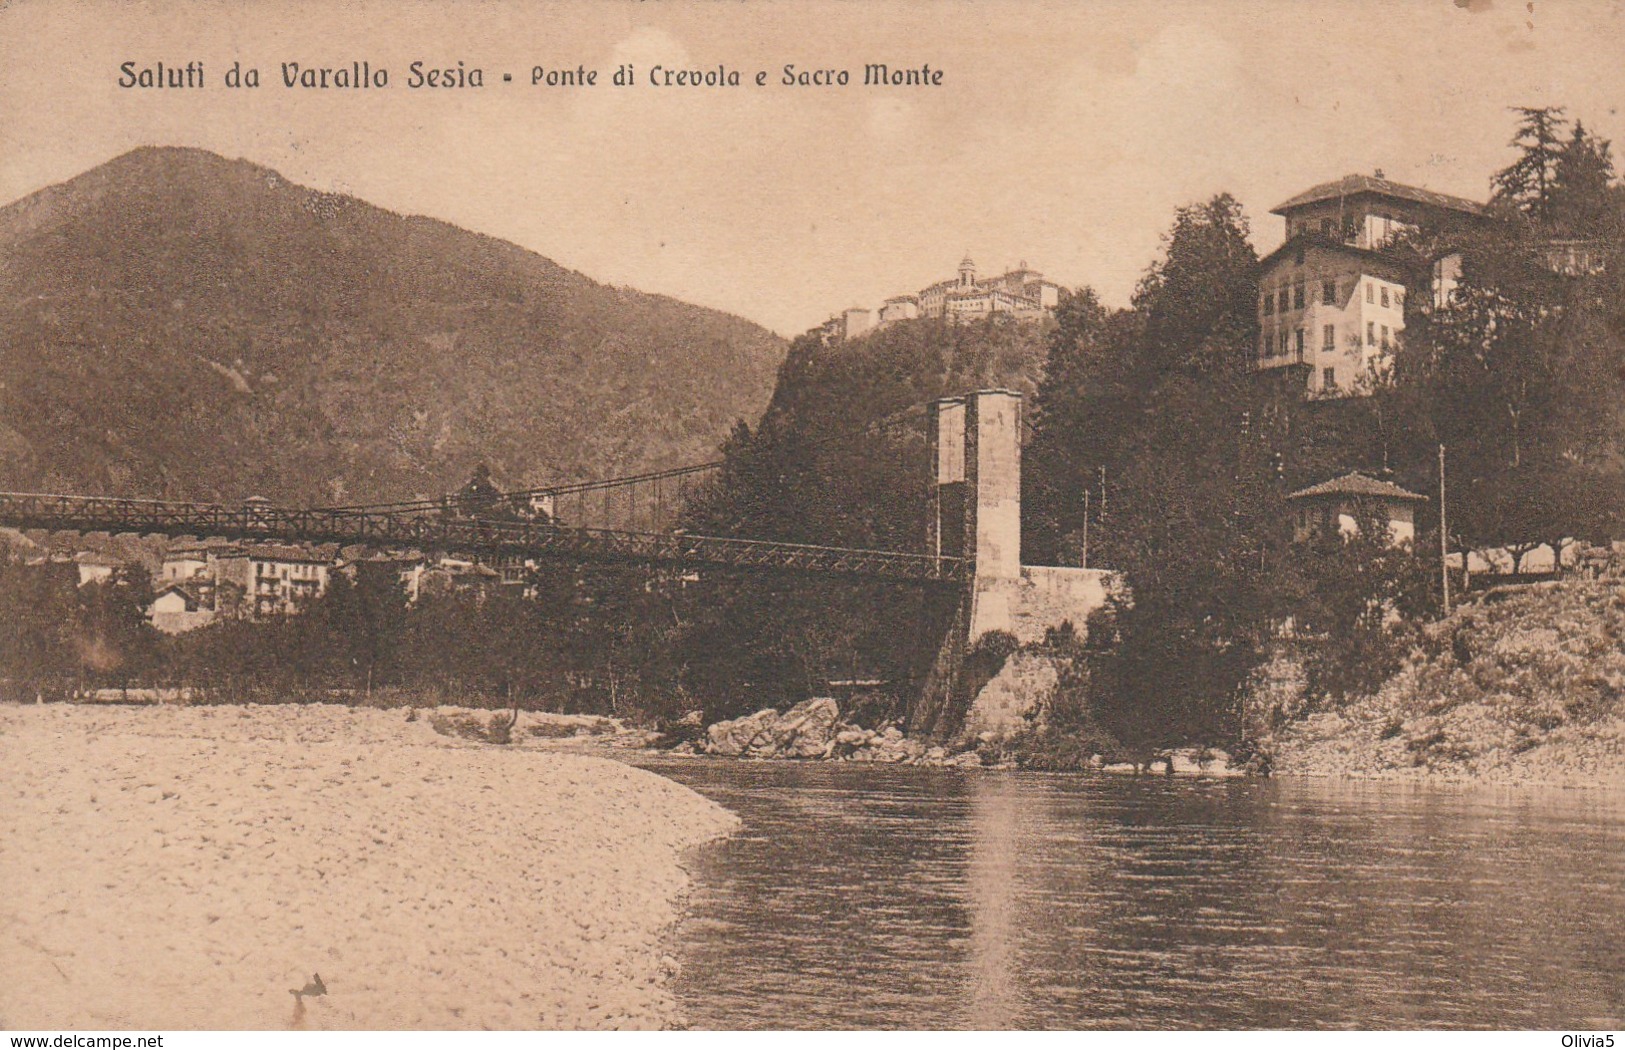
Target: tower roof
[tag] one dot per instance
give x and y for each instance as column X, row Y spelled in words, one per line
column 967, row 263
column 1356, row 185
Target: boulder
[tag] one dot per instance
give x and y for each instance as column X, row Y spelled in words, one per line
column 737, row 736
column 966, row 760
column 806, row 730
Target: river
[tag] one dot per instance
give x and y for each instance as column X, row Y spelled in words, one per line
column 893, row 897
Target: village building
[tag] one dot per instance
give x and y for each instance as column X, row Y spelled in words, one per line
column 848, row 324
column 899, row 308
column 419, row 573
column 179, row 607
column 1331, row 304
column 96, row 567
column 276, row 579
column 1335, row 507
column 451, row 574
column 194, row 561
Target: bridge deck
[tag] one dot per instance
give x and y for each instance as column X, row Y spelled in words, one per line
column 464, row 535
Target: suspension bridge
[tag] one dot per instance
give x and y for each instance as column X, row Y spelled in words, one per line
column 973, row 542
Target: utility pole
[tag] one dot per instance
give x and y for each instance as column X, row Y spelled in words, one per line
column 1444, row 539
column 1086, row 495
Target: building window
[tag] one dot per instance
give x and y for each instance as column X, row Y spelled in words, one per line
column 1297, row 296
column 1385, row 337
column 1328, row 378
column 1299, row 335
column 1265, row 342
column 1371, row 333
column 1269, row 303
column 1399, row 298
column 1385, row 295
column 1328, row 293
column 1328, row 338
column 1298, row 258
column 1370, row 291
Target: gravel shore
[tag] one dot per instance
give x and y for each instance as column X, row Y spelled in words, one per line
column 186, row 868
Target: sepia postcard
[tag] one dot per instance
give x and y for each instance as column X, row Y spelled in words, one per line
column 980, row 515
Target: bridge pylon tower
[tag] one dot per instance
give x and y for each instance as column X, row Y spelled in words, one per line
column 976, row 459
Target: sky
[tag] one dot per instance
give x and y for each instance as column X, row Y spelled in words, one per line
column 1063, row 134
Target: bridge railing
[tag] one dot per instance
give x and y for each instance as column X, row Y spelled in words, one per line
column 453, row 533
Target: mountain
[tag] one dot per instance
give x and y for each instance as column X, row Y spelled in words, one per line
column 175, row 324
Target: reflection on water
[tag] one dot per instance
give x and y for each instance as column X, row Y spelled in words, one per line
column 874, row 897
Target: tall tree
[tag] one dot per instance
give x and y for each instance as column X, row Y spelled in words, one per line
column 1580, row 196
column 1199, row 300
column 1526, row 184
column 1077, row 415
column 1191, row 518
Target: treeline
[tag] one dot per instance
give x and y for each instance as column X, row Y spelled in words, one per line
column 644, row 644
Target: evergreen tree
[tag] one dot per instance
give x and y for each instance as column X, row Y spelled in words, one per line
column 1193, row 520
column 1525, row 185
column 1580, row 198
column 1199, row 300
column 1076, row 415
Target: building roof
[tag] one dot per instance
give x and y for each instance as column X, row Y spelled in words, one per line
column 1354, row 185
column 1311, row 239
column 98, row 558
column 181, row 589
column 1356, row 484
column 212, row 545
column 286, row 552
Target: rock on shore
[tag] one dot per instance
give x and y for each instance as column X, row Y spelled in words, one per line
column 813, row 729
column 189, row 867
column 1521, row 686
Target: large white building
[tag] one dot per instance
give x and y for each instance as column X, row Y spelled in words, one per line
column 1022, row 292
column 1332, row 297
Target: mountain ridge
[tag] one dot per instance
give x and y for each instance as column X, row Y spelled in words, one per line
column 176, row 324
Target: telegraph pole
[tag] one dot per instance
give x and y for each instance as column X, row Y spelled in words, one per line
column 1444, row 540
column 1086, row 494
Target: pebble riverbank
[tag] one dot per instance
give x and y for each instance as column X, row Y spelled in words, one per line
column 184, row 868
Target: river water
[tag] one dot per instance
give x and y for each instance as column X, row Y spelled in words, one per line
column 885, row 897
